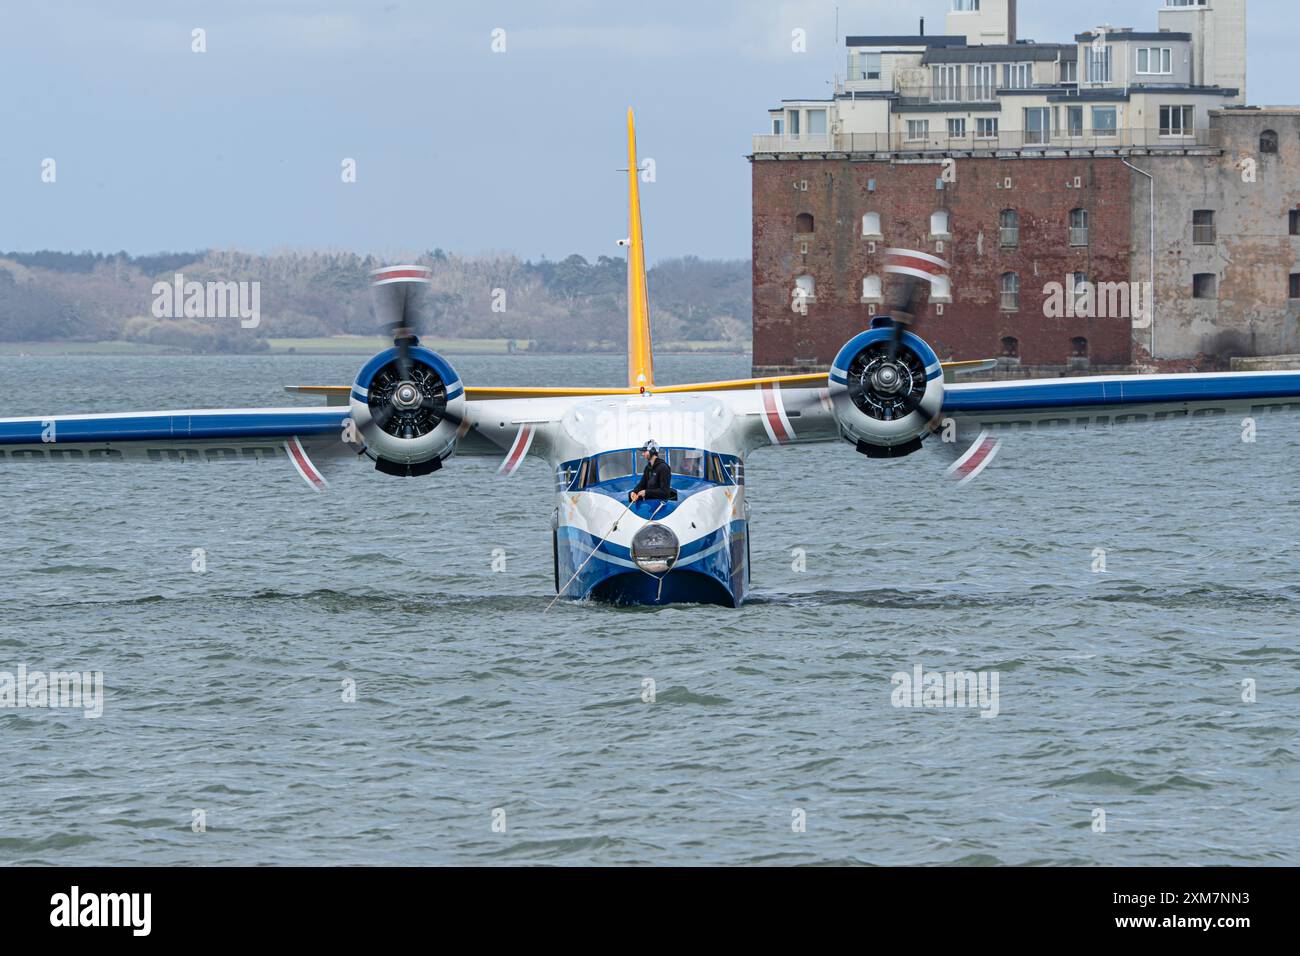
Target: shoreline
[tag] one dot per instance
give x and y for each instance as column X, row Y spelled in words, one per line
column 345, row 345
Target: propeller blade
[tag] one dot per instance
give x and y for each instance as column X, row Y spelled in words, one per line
column 904, row 302
column 909, row 270
column 440, row 409
column 403, row 343
column 385, row 412
column 518, row 451
column 895, row 341
column 970, row 448
column 397, row 294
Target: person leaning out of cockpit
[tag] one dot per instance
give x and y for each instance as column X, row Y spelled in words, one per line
column 656, row 479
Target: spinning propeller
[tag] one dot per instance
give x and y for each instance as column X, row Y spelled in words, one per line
column 407, row 398
column 887, row 381
column 410, row 397
column 971, row 453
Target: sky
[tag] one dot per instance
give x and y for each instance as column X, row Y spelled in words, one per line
column 456, row 146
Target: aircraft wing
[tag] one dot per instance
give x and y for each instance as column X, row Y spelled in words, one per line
column 1122, row 399
column 974, row 415
column 310, row 440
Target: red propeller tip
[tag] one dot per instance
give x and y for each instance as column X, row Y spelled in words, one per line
column 390, row 274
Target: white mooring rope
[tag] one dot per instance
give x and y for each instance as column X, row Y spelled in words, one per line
column 612, row 529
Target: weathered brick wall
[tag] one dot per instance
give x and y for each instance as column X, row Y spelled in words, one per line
column 1253, row 254
column 973, row 325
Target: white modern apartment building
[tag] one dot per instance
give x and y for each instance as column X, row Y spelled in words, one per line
column 980, row 87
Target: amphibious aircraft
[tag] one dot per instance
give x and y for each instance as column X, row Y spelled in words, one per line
column 408, row 414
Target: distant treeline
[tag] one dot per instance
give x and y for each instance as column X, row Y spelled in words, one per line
column 565, row 305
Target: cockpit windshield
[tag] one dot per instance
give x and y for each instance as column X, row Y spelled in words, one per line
column 693, row 463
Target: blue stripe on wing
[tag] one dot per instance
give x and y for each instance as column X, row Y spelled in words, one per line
column 1134, row 390
column 173, row 426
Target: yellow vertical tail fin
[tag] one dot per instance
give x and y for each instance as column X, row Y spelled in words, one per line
column 640, row 361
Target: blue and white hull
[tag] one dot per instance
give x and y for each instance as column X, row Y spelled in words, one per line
column 594, row 554
column 711, row 570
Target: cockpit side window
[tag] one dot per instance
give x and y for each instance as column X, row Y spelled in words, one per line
column 716, row 474
column 614, row 464
column 687, row 462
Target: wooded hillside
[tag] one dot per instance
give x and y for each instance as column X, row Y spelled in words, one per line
column 566, row 305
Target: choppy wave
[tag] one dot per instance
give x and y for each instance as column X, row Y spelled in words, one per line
column 349, row 680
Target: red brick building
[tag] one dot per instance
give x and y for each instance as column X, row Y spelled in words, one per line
column 1008, row 226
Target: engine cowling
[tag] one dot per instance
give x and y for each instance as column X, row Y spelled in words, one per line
column 884, row 406
column 408, row 419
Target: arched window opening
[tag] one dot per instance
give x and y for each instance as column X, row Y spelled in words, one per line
column 1009, row 224
column 1010, row 347
column 806, row 288
column 871, row 224
column 1268, row 141
column 1078, row 227
column 1010, row 292
column 803, row 223
column 871, row 288
column 1082, row 291
column 939, row 223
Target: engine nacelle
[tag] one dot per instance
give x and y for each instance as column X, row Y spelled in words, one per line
column 883, row 406
column 408, row 422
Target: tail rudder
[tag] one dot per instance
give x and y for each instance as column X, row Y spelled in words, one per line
column 640, row 361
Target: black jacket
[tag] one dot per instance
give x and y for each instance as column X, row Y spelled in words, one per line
column 656, row 480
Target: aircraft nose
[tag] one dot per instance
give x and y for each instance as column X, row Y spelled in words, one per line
column 655, row 548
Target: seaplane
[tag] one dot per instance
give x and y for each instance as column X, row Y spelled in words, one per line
column 408, row 415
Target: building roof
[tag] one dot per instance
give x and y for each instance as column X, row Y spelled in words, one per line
column 926, row 41
column 1258, row 110
column 1133, row 35
column 1002, row 53
column 1102, row 94
column 1090, row 96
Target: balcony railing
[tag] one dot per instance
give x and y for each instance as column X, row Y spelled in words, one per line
column 1011, row 140
column 950, row 94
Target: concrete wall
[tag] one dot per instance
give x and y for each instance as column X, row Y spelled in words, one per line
column 973, row 324
column 1124, row 61
column 994, row 22
column 1253, row 255
column 1144, row 110
column 863, row 116
column 1218, row 41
